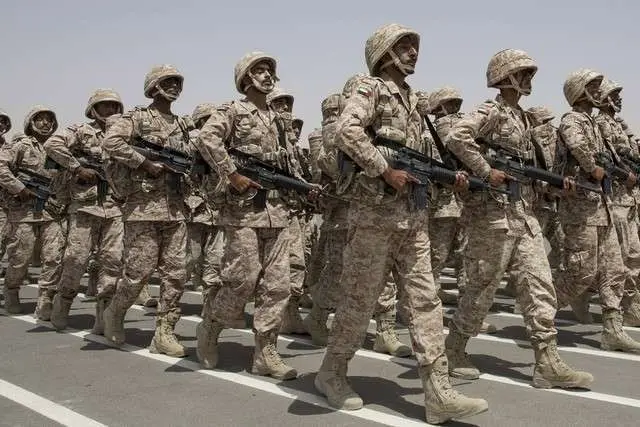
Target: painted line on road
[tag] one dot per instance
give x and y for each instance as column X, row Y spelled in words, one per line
column 45, row 407
column 244, row 380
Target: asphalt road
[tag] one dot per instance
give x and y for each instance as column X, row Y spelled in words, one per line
column 74, row 378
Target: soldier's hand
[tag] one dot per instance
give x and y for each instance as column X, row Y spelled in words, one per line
column 632, row 179
column 568, row 185
column 314, row 194
column 462, row 182
column 241, row 183
column 498, row 177
column 598, row 173
column 25, row 195
column 398, row 179
column 154, row 169
column 86, row 175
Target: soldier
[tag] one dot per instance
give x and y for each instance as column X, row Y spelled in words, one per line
column 25, row 157
column 282, row 103
column 256, row 252
column 154, row 212
column 94, row 213
column 383, row 231
column 505, row 233
column 592, row 253
column 5, row 126
column 625, row 195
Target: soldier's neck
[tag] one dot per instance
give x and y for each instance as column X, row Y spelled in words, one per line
column 608, row 111
column 257, row 98
column 162, row 105
column 583, row 107
column 511, row 97
column 40, row 138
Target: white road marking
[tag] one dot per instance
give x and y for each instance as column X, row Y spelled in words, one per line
column 45, row 407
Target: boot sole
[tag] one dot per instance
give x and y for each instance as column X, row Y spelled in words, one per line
column 289, row 375
column 154, row 349
column 544, row 384
column 336, row 405
column 623, row 350
column 463, row 376
column 443, row 418
column 402, row 354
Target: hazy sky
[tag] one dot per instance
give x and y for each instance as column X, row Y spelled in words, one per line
column 57, row 52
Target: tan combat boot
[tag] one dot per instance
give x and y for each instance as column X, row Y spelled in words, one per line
column 387, row 341
column 44, row 306
column 164, row 341
column 113, row 317
column 331, row 380
column 145, row 299
column 613, row 336
column 551, row 371
column 460, row 365
column 580, row 307
column 267, row 361
column 316, row 324
column 60, row 311
column 207, row 333
column 98, row 324
column 12, row 300
column 631, row 310
column 441, row 401
column 291, row 320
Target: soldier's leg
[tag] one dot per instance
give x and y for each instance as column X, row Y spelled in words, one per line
column 385, row 314
column 271, row 300
column 198, row 234
column 211, row 280
column 141, row 252
column 172, row 266
column 442, row 233
column 627, row 231
column 82, row 235
column 20, row 242
column 413, row 263
column 292, row 322
column 240, row 270
column 53, row 240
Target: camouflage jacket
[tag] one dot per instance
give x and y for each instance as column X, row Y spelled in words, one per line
column 81, row 141
column 146, row 198
column 581, row 140
column 445, row 203
column 240, row 125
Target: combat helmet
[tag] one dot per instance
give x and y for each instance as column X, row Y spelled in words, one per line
column 541, row 114
column 157, row 74
column 576, row 84
column 102, row 95
column 245, row 64
column 201, row 111
column 278, row 93
column 6, row 116
column 607, row 89
column 27, row 125
column 504, row 64
column 439, row 97
column 381, row 42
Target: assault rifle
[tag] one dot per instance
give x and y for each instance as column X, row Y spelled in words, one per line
column 38, row 184
column 633, row 162
column 427, row 170
column 89, row 163
column 176, row 161
column 271, row 177
column 514, row 166
column 605, row 160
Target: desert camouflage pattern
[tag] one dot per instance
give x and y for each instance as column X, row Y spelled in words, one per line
column 246, row 62
column 157, row 74
column 382, row 40
column 507, row 62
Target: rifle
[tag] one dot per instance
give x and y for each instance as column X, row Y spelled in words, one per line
column 38, row 184
column 631, row 161
column 271, row 177
column 605, row 160
column 98, row 167
column 513, row 165
column 448, row 159
column 426, row 170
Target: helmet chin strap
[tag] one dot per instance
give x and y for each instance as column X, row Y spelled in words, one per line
column 165, row 95
column 41, row 132
column 255, row 83
column 395, row 60
column 594, row 101
column 102, row 119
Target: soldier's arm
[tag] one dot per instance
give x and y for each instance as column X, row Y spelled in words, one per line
column 59, row 147
column 351, row 136
column 116, row 143
column 210, row 141
column 462, row 136
column 8, row 158
column 573, row 135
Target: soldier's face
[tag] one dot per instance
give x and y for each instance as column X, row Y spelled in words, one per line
column 172, row 86
column 524, row 78
column 329, row 113
column 262, row 74
column 407, row 51
column 616, row 99
column 4, row 125
column 43, row 122
column 297, row 130
column 107, row 108
column 452, row 106
column 282, row 104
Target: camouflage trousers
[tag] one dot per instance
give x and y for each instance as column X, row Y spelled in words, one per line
column 255, row 263
column 317, row 260
column 592, row 259
column 211, row 266
column 552, row 231
column 21, row 241
column 442, row 233
column 626, row 226
column 198, row 234
column 149, row 245
column 105, row 236
column 490, row 253
column 3, row 233
column 297, row 264
column 458, row 249
column 368, row 258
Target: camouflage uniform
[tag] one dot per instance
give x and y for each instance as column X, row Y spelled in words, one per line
column 154, row 216
column 624, row 199
column 91, row 222
column 383, row 232
column 255, row 262
column 3, row 214
column 505, row 234
column 592, row 252
column 24, row 224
